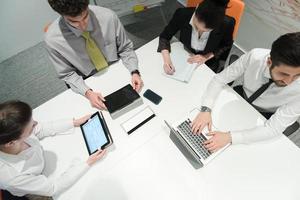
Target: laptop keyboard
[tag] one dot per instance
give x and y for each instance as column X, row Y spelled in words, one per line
column 196, row 141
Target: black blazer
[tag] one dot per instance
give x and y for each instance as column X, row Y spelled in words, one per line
column 219, row 42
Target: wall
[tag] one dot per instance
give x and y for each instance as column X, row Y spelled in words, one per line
column 22, row 23
column 265, row 20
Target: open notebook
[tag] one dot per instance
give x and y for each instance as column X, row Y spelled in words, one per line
column 183, row 70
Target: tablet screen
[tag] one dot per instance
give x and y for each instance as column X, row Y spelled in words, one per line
column 94, row 134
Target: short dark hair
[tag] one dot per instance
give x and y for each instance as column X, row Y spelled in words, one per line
column 211, row 12
column 14, row 117
column 71, row 8
column 286, row 50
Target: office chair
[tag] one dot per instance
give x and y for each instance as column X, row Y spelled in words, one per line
column 235, row 9
column 5, row 195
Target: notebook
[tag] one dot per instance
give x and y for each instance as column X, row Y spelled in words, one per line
column 183, row 70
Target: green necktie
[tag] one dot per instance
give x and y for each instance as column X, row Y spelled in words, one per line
column 94, row 52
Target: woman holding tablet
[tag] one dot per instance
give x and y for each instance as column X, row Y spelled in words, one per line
column 21, row 154
column 205, row 31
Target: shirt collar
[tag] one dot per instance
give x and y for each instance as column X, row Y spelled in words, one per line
column 78, row 32
column 266, row 72
column 194, row 29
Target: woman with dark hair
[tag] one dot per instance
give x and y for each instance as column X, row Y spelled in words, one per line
column 205, row 31
column 22, row 156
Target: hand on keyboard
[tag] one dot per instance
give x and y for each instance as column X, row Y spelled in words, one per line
column 202, row 120
column 217, row 141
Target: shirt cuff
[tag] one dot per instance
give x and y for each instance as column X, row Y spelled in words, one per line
column 236, row 137
column 62, row 126
column 83, row 89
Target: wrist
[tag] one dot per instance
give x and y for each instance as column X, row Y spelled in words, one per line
column 137, row 72
column 209, row 56
column 88, row 93
column 205, row 109
column 229, row 137
column 166, row 55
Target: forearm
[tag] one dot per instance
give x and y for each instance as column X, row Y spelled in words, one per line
column 166, row 55
column 213, row 90
column 46, row 129
column 163, row 45
column 260, row 133
column 76, row 83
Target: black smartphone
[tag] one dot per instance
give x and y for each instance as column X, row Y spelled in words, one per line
column 152, row 96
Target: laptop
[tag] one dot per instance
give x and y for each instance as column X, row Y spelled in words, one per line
column 191, row 145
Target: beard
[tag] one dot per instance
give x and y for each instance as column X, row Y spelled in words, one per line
column 278, row 83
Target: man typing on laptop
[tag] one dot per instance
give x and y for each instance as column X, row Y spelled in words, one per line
column 271, row 84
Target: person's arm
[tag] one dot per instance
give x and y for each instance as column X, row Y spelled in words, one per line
column 67, row 72
column 285, row 116
column 227, row 40
column 215, row 87
column 127, row 54
column 164, row 40
column 228, row 75
column 169, row 31
column 41, row 185
column 125, row 46
column 46, row 129
column 22, row 184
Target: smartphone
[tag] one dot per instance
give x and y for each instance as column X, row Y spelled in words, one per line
column 152, row 96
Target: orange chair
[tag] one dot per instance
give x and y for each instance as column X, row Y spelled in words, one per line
column 235, row 9
column 193, row 3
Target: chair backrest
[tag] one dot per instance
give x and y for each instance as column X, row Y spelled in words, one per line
column 193, row 3
column 235, row 9
column 1, row 195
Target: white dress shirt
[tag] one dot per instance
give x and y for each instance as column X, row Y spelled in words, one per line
column 198, row 43
column 22, row 174
column 284, row 101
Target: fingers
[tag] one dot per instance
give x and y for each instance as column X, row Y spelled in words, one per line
column 169, row 69
column 100, row 153
column 209, row 126
column 199, row 59
column 99, row 105
column 137, row 84
column 197, row 127
column 100, row 97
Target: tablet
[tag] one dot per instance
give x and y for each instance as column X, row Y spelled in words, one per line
column 95, row 133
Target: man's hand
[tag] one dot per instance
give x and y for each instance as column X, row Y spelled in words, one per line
column 199, row 59
column 96, row 99
column 78, row 122
column 203, row 119
column 95, row 157
column 168, row 65
column 137, row 82
column 217, row 141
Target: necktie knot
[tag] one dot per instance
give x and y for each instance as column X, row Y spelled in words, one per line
column 86, row 35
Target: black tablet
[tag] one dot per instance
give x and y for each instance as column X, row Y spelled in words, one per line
column 120, row 98
column 95, row 133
